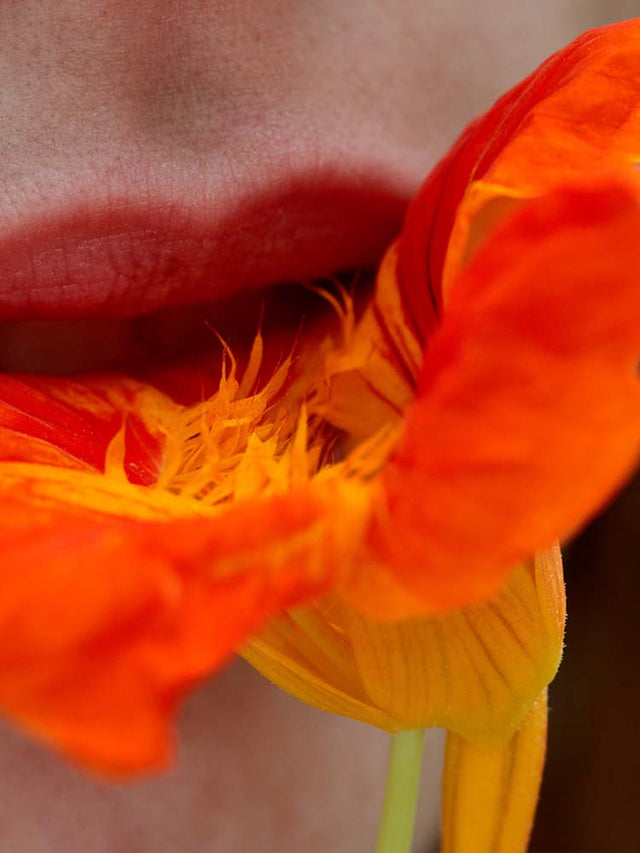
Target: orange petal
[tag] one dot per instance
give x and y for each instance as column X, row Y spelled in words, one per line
column 71, row 423
column 587, row 125
column 490, row 792
column 578, row 113
column 528, row 410
column 105, row 622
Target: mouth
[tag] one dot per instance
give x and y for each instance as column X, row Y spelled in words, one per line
column 118, row 282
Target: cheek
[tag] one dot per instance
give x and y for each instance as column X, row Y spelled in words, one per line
column 256, row 770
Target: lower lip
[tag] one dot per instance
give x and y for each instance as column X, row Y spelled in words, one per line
column 124, row 259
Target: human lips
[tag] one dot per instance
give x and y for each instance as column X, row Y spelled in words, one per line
column 129, row 246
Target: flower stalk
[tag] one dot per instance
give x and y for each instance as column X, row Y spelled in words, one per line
column 395, row 834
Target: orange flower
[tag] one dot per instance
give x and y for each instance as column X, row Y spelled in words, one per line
column 362, row 525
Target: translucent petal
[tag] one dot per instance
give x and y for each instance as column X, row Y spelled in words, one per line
column 475, row 670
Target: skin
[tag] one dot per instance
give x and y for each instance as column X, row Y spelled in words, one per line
column 238, row 784
column 193, row 100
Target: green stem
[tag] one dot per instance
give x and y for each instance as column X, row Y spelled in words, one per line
column 395, row 834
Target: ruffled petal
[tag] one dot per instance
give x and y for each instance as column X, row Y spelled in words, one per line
column 587, row 126
column 368, row 381
column 490, row 793
column 145, row 540
column 106, row 619
column 528, row 408
column 575, row 116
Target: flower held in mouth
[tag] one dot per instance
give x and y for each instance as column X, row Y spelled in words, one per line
column 485, row 404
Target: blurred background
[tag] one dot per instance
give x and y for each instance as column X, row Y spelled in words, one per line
column 592, row 779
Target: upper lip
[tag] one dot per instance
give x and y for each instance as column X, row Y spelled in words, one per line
column 127, row 246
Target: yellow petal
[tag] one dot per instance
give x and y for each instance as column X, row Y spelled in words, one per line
column 370, row 379
column 490, row 792
column 475, row 670
column 302, row 654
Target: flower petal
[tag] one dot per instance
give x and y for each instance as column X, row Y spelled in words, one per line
column 106, row 621
column 528, row 410
column 475, row 671
column 369, row 380
column 576, row 115
column 302, row 653
column 587, row 124
column 71, row 423
column 490, row 792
